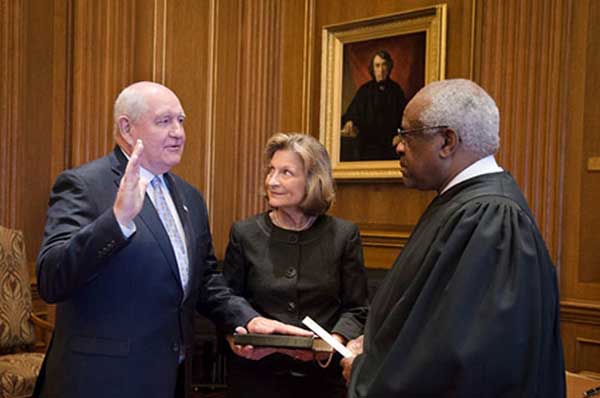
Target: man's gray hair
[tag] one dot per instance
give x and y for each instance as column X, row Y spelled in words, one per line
column 468, row 109
column 130, row 102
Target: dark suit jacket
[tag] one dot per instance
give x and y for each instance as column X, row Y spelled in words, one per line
column 122, row 319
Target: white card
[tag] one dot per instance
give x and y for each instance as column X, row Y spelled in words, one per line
column 322, row 333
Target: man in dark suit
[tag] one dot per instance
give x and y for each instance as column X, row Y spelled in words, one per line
column 127, row 256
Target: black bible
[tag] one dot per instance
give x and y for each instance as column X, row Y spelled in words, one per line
column 282, row 341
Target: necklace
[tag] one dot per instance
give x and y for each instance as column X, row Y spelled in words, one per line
column 277, row 220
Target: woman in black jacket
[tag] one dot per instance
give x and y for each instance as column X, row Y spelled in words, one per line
column 295, row 261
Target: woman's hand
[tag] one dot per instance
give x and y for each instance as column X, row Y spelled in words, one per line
column 261, row 325
column 248, row 351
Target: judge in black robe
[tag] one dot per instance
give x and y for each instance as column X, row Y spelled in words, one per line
column 470, row 307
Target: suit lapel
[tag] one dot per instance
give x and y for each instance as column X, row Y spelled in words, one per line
column 152, row 221
column 148, row 215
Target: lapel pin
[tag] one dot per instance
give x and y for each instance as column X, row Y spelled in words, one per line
column 185, row 208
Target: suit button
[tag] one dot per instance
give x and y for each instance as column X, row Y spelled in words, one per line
column 290, row 273
column 175, row 347
column 291, row 306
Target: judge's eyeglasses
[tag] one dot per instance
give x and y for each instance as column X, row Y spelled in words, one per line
column 402, row 134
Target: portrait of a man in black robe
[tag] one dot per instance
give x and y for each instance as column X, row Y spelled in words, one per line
column 375, row 113
column 380, row 76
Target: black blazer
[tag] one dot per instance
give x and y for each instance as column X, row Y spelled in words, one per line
column 122, row 319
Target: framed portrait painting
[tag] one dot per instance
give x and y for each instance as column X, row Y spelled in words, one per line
column 370, row 70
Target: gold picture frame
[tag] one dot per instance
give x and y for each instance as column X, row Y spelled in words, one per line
column 416, row 36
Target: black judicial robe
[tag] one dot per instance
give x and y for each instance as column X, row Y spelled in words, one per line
column 470, row 307
column 376, row 111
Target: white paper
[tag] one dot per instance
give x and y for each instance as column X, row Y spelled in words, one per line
column 322, row 333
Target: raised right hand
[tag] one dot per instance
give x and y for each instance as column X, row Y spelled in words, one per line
column 130, row 197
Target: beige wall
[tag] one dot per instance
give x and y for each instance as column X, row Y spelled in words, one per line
column 247, row 68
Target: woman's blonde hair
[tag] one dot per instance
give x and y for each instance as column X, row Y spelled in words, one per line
column 320, row 190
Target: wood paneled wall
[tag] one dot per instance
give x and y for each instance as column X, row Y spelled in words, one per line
column 520, row 57
column 245, row 69
column 100, row 59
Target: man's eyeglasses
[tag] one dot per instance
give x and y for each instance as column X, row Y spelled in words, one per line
column 402, row 134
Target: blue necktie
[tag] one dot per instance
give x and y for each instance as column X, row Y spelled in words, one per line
column 168, row 222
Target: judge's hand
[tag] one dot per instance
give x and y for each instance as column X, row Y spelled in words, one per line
column 356, row 347
column 349, row 130
column 130, row 197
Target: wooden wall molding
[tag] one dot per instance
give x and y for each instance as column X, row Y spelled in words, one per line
column 587, row 352
column 61, row 86
column 11, row 112
column 382, row 245
column 159, row 41
column 211, row 128
column 580, row 312
column 307, row 76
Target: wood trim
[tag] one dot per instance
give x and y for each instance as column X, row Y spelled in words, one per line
column 383, row 244
column 580, row 312
column 584, row 354
column 473, row 49
column 62, row 83
column 307, row 53
column 211, row 127
column 159, row 41
column 11, row 111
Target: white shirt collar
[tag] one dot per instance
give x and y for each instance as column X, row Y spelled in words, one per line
column 145, row 174
column 485, row 165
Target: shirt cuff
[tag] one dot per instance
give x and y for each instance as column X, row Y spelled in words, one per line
column 128, row 231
